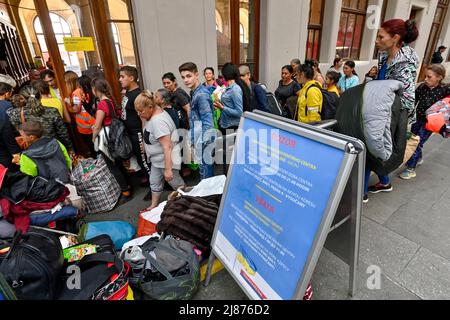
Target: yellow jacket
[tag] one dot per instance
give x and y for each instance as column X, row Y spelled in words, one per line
column 309, row 107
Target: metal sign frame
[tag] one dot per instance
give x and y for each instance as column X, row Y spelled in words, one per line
column 355, row 194
column 317, row 135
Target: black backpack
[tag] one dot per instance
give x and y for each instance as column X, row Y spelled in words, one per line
column 120, row 148
column 32, row 265
column 330, row 103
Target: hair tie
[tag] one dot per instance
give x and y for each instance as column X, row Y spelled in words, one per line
column 32, row 96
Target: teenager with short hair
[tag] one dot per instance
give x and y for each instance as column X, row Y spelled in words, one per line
column 202, row 131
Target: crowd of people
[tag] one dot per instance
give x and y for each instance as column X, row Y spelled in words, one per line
column 41, row 132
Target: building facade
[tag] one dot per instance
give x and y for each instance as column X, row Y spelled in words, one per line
column 159, row 35
column 213, row 32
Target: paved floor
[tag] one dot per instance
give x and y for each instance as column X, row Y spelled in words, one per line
column 405, row 233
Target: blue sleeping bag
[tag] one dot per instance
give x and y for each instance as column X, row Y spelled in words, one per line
column 43, row 219
column 120, row 232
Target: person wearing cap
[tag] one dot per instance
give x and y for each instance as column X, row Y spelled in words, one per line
column 258, row 96
column 437, row 56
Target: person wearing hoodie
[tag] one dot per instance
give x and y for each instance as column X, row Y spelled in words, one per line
column 46, row 157
column 397, row 61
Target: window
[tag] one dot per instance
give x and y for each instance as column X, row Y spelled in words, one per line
column 121, row 21
column 61, row 29
column 315, row 29
column 242, row 33
column 351, row 27
column 237, row 25
column 115, row 33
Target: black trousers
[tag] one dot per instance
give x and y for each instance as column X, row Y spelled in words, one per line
column 87, row 138
column 137, row 140
column 119, row 172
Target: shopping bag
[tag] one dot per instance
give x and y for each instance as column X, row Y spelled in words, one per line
column 96, row 185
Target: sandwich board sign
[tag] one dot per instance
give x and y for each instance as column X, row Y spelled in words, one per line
column 283, row 189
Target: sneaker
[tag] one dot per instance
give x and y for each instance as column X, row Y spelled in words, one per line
column 420, row 162
column 366, row 198
column 408, row 174
column 381, row 188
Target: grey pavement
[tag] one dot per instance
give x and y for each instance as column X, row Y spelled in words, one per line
column 404, row 233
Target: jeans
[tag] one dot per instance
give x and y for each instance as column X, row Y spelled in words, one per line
column 206, row 161
column 419, row 129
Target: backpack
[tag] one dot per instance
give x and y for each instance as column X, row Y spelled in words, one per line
column 330, row 103
column 31, row 264
column 273, row 105
column 120, row 148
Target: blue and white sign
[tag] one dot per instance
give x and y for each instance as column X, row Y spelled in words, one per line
column 273, row 208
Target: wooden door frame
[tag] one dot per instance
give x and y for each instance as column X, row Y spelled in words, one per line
column 235, row 34
column 433, row 42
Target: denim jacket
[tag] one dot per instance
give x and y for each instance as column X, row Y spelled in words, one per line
column 232, row 101
column 202, row 119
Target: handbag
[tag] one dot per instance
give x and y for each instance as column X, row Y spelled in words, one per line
column 21, row 140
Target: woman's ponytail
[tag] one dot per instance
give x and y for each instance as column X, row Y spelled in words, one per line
column 412, row 33
column 33, row 100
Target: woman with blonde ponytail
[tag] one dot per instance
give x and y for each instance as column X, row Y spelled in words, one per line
column 29, row 108
column 162, row 146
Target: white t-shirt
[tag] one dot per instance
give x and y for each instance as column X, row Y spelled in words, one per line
column 160, row 126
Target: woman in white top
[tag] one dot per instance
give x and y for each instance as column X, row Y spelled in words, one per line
column 161, row 146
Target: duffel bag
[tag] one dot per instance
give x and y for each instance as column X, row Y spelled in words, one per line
column 96, row 185
column 103, row 276
column 31, row 264
column 164, row 269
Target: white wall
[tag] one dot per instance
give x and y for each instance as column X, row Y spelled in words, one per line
column 170, row 33
column 283, row 37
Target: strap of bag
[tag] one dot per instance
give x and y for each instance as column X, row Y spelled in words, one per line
column 150, row 245
column 306, row 96
column 157, row 265
column 111, row 109
column 22, row 116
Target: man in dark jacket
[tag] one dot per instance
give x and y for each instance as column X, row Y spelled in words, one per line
column 437, row 56
column 258, row 96
column 8, row 145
